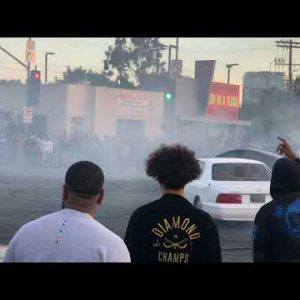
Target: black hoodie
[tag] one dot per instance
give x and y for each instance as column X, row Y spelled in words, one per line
column 276, row 234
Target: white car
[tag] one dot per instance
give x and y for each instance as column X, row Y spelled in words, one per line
column 231, row 189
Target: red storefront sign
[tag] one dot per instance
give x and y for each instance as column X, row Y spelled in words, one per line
column 224, row 102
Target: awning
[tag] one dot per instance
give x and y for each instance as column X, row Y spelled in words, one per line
column 206, row 120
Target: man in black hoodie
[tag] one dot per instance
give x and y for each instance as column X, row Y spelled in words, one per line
column 171, row 229
column 276, row 234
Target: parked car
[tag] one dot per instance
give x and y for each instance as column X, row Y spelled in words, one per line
column 231, row 188
column 266, row 157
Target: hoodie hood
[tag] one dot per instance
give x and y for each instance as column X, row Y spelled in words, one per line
column 285, row 181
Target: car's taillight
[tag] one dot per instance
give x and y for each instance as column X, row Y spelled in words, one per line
column 229, row 198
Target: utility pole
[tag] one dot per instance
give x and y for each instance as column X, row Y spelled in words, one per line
column 46, row 66
column 170, row 56
column 177, row 48
column 289, row 44
column 169, row 60
column 157, row 62
column 229, row 66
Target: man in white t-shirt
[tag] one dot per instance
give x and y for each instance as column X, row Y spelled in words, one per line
column 46, row 147
column 71, row 234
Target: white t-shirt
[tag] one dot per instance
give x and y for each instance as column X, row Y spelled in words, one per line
column 46, row 146
column 66, row 236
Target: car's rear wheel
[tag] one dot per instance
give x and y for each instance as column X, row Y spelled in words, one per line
column 197, row 202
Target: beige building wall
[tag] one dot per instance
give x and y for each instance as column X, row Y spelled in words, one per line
column 12, row 99
column 53, row 99
column 100, row 108
column 80, row 103
column 105, row 111
column 154, row 125
column 109, row 108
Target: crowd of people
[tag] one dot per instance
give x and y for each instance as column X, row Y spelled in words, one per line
column 167, row 230
column 60, row 151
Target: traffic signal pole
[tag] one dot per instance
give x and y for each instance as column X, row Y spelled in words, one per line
column 15, row 58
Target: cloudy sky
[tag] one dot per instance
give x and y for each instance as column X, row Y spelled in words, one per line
column 252, row 54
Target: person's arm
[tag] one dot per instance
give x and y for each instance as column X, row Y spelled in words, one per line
column 212, row 248
column 131, row 240
column 10, row 252
column 261, row 238
column 284, row 148
column 119, row 253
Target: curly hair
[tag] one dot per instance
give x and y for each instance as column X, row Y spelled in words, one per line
column 173, row 166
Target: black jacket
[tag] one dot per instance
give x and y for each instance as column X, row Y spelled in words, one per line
column 172, row 230
column 276, row 234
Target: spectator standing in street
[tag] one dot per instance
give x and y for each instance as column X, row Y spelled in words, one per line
column 276, row 234
column 71, row 234
column 171, row 229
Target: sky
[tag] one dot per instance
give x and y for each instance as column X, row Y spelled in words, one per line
column 252, row 54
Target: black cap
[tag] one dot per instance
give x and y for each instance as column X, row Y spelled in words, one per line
column 85, row 177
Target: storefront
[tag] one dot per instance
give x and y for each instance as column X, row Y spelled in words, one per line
column 210, row 137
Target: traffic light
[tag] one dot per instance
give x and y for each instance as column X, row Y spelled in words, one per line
column 170, row 85
column 168, row 96
column 33, row 88
column 169, row 99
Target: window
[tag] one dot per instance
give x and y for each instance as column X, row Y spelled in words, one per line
column 240, row 172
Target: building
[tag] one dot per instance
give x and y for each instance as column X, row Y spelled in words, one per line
column 255, row 85
column 270, row 106
column 207, row 112
column 76, row 110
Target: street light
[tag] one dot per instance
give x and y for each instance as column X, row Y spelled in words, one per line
column 229, row 66
column 46, row 65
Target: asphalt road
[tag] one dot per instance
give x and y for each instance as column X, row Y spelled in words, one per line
column 26, row 195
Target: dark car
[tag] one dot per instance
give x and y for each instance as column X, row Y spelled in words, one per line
column 266, row 157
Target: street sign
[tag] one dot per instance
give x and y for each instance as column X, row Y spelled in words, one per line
column 175, row 68
column 27, row 115
column 30, row 53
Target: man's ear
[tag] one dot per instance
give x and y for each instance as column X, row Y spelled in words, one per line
column 100, row 197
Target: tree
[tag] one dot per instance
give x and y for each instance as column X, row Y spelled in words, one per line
column 138, row 62
column 79, row 74
column 11, row 82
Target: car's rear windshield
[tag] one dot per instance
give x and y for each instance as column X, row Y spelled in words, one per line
column 240, row 172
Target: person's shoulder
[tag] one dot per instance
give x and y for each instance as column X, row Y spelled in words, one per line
column 268, row 206
column 36, row 223
column 146, row 208
column 266, row 209
column 106, row 235
column 201, row 215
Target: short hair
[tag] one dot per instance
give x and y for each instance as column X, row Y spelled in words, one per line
column 85, row 179
column 173, row 166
